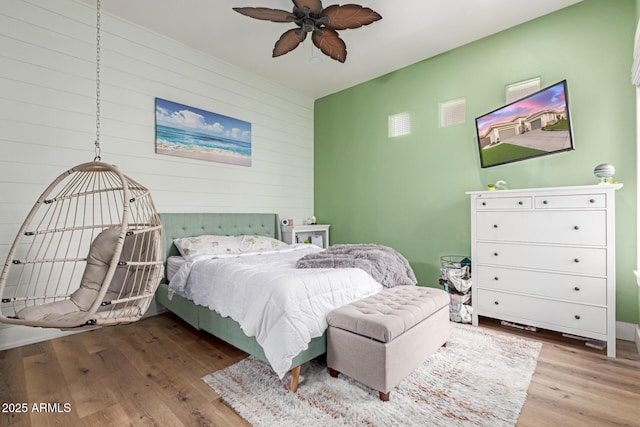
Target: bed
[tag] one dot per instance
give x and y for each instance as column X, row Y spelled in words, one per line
column 180, row 225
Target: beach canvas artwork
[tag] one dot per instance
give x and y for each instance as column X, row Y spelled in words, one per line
column 197, row 134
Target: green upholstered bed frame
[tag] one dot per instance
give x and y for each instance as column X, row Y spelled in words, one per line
column 176, row 225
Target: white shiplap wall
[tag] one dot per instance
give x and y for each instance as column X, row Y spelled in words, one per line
column 47, row 120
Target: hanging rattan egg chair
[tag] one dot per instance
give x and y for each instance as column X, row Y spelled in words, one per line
column 89, row 253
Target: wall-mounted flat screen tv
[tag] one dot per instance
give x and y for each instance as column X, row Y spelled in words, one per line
column 536, row 125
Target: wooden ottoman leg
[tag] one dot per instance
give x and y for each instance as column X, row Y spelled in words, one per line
column 384, row 396
column 333, row 372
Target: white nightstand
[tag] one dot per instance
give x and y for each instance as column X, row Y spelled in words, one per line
column 317, row 234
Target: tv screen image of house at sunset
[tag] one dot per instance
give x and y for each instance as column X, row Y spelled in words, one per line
column 536, row 125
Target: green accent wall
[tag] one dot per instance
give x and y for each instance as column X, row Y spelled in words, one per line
column 409, row 192
column 637, row 19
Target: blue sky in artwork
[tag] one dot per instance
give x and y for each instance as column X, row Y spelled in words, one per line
column 183, row 117
column 552, row 98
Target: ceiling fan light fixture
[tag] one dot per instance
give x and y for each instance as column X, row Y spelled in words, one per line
column 308, row 26
column 311, row 17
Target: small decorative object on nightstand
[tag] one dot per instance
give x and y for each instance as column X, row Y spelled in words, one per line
column 317, row 234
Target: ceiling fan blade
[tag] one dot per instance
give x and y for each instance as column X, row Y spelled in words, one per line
column 288, row 41
column 349, row 16
column 266, row 14
column 330, row 43
column 315, row 6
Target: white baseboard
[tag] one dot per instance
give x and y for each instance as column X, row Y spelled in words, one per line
column 17, row 336
column 626, row 331
column 154, row 309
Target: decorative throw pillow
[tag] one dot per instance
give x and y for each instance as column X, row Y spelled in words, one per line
column 254, row 243
column 207, row 245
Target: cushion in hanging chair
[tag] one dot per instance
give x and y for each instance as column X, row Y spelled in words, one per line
column 49, row 311
column 98, row 262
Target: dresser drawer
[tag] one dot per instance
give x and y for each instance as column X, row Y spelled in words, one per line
column 578, row 289
column 571, row 201
column 487, row 203
column 543, row 311
column 563, row 227
column 579, row 260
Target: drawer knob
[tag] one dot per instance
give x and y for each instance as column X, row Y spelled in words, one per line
column 576, row 288
column 577, row 317
column 592, row 200
column 495, row 254
column 544, row 202
column 496, row 278
column 484, row 203
column 576, row 227
column 520, row 203
column 576, row 260
column 495, row 225
column 496, row 303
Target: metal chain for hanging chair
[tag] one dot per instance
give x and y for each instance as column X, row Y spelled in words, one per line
column 97, row 143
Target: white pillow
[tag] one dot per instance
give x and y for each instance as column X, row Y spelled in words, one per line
column 217, row 245
column 254, row 243
column 207, row 244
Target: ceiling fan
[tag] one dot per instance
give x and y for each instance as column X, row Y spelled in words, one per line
column 311, row 17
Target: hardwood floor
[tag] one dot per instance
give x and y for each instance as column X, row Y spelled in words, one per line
column 149, row 373
column 574, row 385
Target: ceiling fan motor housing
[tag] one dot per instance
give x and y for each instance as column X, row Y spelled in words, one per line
column 309, row 21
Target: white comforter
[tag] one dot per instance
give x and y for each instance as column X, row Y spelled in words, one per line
column 282, row 306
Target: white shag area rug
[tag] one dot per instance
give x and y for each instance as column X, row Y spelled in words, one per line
column 479, row 379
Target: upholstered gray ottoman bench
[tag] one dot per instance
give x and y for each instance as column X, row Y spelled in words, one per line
column 382, row 339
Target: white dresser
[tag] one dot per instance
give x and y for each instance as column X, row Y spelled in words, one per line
column 545, row 257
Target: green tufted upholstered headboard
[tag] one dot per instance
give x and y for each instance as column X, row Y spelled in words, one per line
column 175, row 225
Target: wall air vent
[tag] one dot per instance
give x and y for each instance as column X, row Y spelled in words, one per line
column 399, row 125
column 519, row 90
column 453, row 112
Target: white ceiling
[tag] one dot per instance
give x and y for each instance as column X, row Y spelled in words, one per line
column 410, row 31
